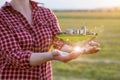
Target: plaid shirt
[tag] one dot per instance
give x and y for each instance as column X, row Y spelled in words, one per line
column 19, row 39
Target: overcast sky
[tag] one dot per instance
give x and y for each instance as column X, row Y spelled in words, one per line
column 77, row 4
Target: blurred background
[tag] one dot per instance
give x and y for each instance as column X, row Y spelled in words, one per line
column 100, row 16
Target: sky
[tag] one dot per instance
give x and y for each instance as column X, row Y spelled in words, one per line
column 76, row 4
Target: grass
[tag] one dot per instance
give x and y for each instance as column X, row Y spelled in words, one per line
column 74, row 38
column 110, row 46
column 86, row 71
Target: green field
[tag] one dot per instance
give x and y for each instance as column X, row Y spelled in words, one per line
column 109, row 38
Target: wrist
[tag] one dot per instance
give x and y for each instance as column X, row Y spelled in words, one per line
column 54, row 54
column 51, row 55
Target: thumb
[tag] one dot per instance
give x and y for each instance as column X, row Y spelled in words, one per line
column 55, row 53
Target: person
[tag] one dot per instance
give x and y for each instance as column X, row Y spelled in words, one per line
column 27, row 31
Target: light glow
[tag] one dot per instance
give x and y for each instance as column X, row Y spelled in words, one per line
column 77, row 49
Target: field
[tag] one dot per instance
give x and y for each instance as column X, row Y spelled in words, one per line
column 105, row 65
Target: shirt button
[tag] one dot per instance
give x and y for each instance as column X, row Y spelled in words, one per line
column 33, row 34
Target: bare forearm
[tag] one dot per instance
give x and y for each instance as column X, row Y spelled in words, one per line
column 39, row 58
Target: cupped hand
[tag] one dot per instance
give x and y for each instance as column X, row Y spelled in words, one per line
column 91, row 47
column 85, row 47
column 62, row 56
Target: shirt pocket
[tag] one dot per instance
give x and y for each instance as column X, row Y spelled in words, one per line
column 22, row 36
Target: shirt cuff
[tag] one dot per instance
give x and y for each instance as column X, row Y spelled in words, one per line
column 25, row 60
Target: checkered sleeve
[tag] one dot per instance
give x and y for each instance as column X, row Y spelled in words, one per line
column 57, row 42
column 54, row 23
column 11, row 50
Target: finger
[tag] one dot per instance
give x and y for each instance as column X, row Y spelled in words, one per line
column 75, row 54
column 67, row 58
column 70, row 57
column 92, row 43
column 91, row 50
column 94, row 50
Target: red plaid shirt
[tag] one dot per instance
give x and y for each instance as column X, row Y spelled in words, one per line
column 18, row 39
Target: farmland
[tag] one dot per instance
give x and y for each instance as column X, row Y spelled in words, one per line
column 109, row 38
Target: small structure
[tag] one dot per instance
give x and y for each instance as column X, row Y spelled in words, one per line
column 70, row 31
column 81, row 31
